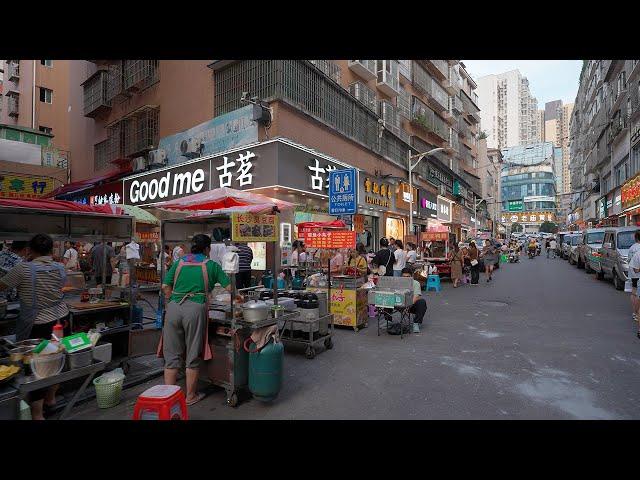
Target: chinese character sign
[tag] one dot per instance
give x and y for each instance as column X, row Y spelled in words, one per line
column 343, row 192
column 24, row 186
column 330, row 239
column 250, row 227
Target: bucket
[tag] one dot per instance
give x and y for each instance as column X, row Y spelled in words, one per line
column 108, row 389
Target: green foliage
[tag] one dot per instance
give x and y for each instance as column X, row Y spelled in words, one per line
column 483, row 135
column 548, row 227
column 516, row 228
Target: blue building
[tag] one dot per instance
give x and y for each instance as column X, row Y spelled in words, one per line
column 528, row 184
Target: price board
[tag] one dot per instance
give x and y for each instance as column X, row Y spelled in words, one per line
column 251, row 227
column 330, row 239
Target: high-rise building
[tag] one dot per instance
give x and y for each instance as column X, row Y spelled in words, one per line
column 605, row 153
column 508, row 110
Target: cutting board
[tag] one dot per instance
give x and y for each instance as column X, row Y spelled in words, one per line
column 89, row 306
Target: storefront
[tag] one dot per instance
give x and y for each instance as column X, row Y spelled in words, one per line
column 630, row 199
column 376, row 199
column 427, row 210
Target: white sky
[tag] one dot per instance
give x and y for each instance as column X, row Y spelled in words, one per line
column 548, row 79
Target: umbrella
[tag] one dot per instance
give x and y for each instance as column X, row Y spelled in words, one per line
column 141, row 215
column 224, row 200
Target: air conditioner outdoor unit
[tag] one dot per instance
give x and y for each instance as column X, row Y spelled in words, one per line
column 190, row 147
column 139, row 164
column 157, row 158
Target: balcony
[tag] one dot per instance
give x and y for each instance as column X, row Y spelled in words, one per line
column 329, row 68
column 474, row 117
column 423, row 116
column 452, row 84
column 13, row 106
column 96, row 102
column 139, row 74
column 13, row 71
column 441, row 68
column 388, row 80
column 140, row 131
column 364, row 94
column 365, row 69
column 389, row 115
column 439, row 95
column 456, row 104
column 454, row 141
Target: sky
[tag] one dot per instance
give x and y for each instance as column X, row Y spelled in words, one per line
column 548, row 79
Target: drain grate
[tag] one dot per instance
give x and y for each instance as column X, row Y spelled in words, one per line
column 493, row 304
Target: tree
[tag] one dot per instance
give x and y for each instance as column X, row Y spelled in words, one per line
column 516, row 228
column 548, row 227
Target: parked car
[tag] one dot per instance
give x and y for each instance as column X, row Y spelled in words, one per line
column 573, row 249
column 589, row 245
column 565, row 246
column 613, row 253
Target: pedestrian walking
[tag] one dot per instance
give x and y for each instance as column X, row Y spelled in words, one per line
column 547, row 246
column 401, row 259
column 552, row 247
column 489, row 257
column 634, row 275
column 475, row 264
column 456, row 265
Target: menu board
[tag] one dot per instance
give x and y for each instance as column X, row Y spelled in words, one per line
column 330, row 239
column 435, row 236
column 251, row 227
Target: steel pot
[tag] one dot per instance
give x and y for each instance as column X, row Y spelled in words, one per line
column 255, row 311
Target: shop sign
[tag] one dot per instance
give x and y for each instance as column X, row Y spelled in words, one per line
column 434, row 236
column 343, row 192
column 403, row 196
column 631, row 193
column 249, row 227
column 444, row 210
column 358, row 223
column 428, row 204
column 330, row 239
column 528, row 217
column 376, row 193
column 516, row 205
column 457, row 213
column 459, row 189
column 25, row 186
column 149, row 235
column 440, row 177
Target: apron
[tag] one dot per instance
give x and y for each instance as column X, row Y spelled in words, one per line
column 28, row 313
column 207, row 355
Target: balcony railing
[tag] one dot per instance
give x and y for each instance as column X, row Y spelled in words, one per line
column 95, row 94
column 139, row 74
column 389, row 115
column 13, row 71
column 329, row 68
column 421, row 80
column 456, row 104
column 453, row 82
column 440, row 95
column 141, row 131
column 442, row 66
column 366, row 69
column 13, row 105
column 454, row 141
column 364, row 94
column 423, row 116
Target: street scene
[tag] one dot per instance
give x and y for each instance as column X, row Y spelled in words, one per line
column 319, row 240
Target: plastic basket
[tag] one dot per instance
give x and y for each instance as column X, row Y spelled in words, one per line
column 108, row 392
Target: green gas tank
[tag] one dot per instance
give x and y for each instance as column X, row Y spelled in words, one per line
column 265, row 370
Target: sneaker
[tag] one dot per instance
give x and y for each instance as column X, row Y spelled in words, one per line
column 416, row 328
column 635, row 317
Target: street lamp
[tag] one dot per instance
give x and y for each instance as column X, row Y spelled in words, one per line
column 420, row 156
column 476, row 204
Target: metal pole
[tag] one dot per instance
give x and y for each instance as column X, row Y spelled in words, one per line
column 411, row 193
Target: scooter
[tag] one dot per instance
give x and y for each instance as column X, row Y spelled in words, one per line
column 532, row 253
column 538, row 250
column 513, row 257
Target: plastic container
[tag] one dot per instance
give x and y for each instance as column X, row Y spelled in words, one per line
column 80, row 359
column 45, row 366
column 108, row 389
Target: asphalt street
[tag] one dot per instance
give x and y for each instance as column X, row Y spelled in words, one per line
column 544, row 340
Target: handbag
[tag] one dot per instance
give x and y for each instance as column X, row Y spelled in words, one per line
column 474, row 262
column 382, row 269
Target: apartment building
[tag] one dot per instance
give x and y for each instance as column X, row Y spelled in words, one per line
column 508, row 110
column 490, row 164
column 604, row 131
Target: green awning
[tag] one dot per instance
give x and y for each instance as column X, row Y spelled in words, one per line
column 141, row 215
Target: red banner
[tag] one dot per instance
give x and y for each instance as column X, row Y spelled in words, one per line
column 435, row 236
column 330, row 239
column 149, row 235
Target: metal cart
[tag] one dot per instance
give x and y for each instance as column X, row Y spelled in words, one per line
column 391, row 295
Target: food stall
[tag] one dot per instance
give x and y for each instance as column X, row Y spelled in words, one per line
column 346, row 297
column 69, row 221
column 235, row 218
column 439, row 246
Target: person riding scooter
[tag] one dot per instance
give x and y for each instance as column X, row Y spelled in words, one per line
column 532, row 248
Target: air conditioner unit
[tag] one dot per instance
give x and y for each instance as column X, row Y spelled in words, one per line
column 157, row 158
column 191, row 147
column 139, row 164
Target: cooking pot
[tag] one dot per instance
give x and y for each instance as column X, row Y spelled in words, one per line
column 255, row 311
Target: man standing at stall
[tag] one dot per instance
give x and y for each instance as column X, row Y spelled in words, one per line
column 9, row 259
column 97, row 262
column 70, row 258
column 184, row 340
column 245, row 257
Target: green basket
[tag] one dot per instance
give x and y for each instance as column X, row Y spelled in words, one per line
column 108, row 393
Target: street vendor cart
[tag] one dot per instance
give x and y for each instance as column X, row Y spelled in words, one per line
column 439, row 251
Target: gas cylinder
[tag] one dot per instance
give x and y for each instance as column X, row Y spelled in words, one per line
column 265, row 370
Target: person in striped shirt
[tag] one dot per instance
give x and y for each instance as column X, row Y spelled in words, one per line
column 245, row 257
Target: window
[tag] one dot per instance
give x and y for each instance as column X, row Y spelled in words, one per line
column 621, row 172
column 46, row 63
column 46, row 95
column 45, row 129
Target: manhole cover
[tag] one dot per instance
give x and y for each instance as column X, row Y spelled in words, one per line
column 493, row 304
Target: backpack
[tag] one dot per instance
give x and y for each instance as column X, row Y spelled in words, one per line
column 394, row 329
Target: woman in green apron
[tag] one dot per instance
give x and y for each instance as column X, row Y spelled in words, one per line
column 184, row 339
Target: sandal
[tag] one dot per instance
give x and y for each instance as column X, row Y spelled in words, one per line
column 198, row 397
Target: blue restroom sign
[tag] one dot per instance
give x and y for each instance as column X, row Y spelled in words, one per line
column 343, row 192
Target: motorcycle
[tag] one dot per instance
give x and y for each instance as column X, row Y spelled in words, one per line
column 532, row 253
column 513, row 257
column 538, row 250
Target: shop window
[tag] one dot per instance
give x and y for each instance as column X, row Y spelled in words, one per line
column 395, row 228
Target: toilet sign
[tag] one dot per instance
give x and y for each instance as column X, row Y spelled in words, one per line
column 343, row 192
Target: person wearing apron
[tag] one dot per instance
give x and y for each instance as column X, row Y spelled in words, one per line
column 185, row 339
column 39, row 283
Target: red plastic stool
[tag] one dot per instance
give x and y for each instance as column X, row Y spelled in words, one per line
column 162, row 402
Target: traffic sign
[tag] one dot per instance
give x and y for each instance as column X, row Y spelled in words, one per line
column 343, row 192
column 516, row 205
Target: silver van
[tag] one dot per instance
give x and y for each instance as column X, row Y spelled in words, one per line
column 613, row 254
column 565, row 246
column 573, row 249
column 590, row 244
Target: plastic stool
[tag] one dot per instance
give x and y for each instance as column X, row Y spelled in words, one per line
column 433, row 283
column 162, row 402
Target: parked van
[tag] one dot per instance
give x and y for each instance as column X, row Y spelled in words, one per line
column 573, row 249
column 589, row 245
column 613, row 254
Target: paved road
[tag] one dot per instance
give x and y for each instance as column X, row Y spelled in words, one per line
column 544, row 340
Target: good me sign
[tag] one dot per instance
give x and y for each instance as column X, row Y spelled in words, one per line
column 274, row 163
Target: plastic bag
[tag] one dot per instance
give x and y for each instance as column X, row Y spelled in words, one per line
column 110, row 377
column 628, row 286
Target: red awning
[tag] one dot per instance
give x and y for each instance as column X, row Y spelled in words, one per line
column 61, row 205
column 223, row 198
column 75, row 187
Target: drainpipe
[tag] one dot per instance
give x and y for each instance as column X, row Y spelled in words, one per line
column 33, row 98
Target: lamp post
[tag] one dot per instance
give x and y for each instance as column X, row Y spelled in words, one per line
column 420, row 156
